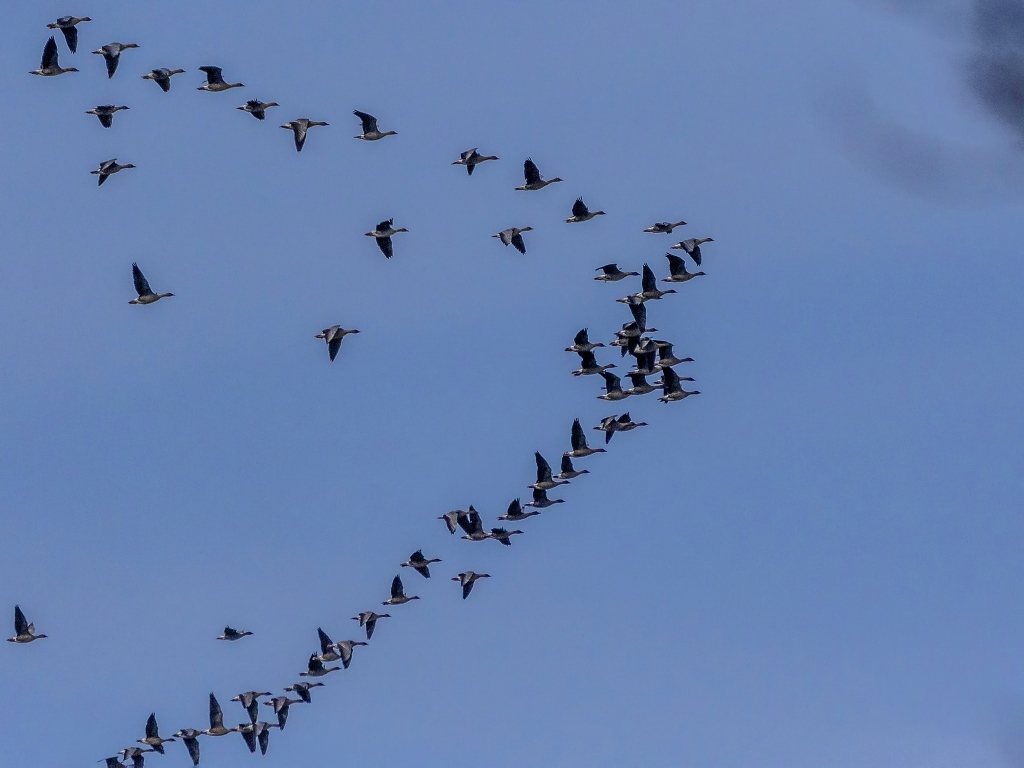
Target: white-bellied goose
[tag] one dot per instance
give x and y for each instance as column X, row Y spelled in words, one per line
column 105, row 113
column 610, row 273
column 544, row 480
column 23, row 631
column 612, row 388
column 677, row 270
column 581, row 343
column 467, row 579
column 516, row 512
column 568, row 471
column 514, row 236
column 250, row 702
column 146, row 295
column 215, row 82
column 382, row 234
column 333, row 337
column 471, row 159
column 111, row 53
column 589, row 366
column 217, row 720
column 420, row 563
column 299, row 128
column 581, row 213
column 692, row 247
column 640, row 384
column 673, row 390
column 302, row 690
column 533, row 178
column 190, row 737
column 649, row 288
column 49, row 66
column 162, row 77
column 368, row 619
column 281, row 704
column 153, row 735
column 109, row 168
column 256, row 733
column 370, row 130
column 316, row 668
column 666, row 357
column 580, row 449
column 665, row 227
column 234, row 634
column 500, row 534
column 473, row 526
column 68, row 25
column 451, row 519
column 398, row 596
column 541, row 500
column 258, row 109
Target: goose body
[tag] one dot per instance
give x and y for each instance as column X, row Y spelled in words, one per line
column 398, row 596
column 673, row 390
column 580, row 449
column 190, row 737
column 471, row 159
column 589, row 366
column 302, row 690
column 217, row 720
column 111, row 53
column 369, row 619
column 69, row 26
column 692, row 247
column 105, row 113
column 467, row 579
column 258, row 109
column 534, row 181
column 473, row 526
column 581, row 213
column 627, row 425
column 281, row 705
column 370, row 130
column 612, row 388
column 345, row 649
column 541, row 500
column 568, row 471
column 327, row 649
column 514, row 236
column 162, row 77
column 677, row 270
column 612, row 424
column 516, row 512
column 153, row 735
column 233, row 634
column 665, row 227
column 581, row 343
column 666, row 357
column 146, row 295
column 316, row 668
column 500, row 534
column 256, row 733
column 108, row 168
column 451, row 519
column 299, row 128
column 649, row 288
column 333, row 337
column 640, row 384
column 215, row 82
column 544, row 479
column 382, row 234
column 250, row 702
column 23, row 631
column 50, row 66
column 610, row 273
column 420, row 564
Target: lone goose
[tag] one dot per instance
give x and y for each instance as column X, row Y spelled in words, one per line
column 692, row 247
column 49, row 66
column 153, row 735
column 281, row 705
column 333, row 337
column 581, row 343
column 640, row 384
column 111, row 53
column 664, row 226
column 665, row 356
column 467, row 579
column 382, row 234
column 299, row 128
column 420, row 563
column 215, row 80
column 589, row 366
column 649, row 288
column 473, row 526
column 367, row 619
column 677, row 270
column 471, row 159
column 370, row 131
column 23, row 631
column 612, row 388
column 146, row 295
column 105, row 113
column 233, row 634
column 541, row 500
column 109, row 168
column 258, row 109
column 345, row 649
column 67, row 25
column 217, row 720
column 533, row 178
column 451, row 519
column 580, row 449
column 500, row 534
column 544, row 480
column 398, row 596
column 516, row 513
column 673, row 390
column 514, row 236
column 190, row 737
column 316, row 668
column 250, row 702
column 302, row 690
column 256, row 733
column 610, row 273
column 162, row 77
column 581, row 213
column 568, row 471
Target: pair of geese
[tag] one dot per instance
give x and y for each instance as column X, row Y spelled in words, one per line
column 610, row 273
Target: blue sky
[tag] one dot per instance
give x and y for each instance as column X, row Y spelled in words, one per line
column 814, row 563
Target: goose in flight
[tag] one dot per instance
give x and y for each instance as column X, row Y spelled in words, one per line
column 612, row 387
column 398, row 596
column 105, row 113
column 69, row 26
column 665, row 227
column 327, row 651
column 473, row 526
column 109, row 168
column 367, row 619
column 49, row 66
column 612, row 424
column 281, row 704
column 544, row 479
column 640, row 384
column 467, row 579
column 589, row 366
column 250, row 702
column 302, row 690
column 471, row 159
column 153, row 735
column 451, row 519
column 382, row 234
column 541, row 500
column 333, row 337
column 136, row 754
column 692, row 247
column 190, row 737
column 215, row 82
column 533, row 178
column 370, row 130
column 649, row 288
column 666, row 357
column 581, row 213
column 581, row 343
column 626, row 424
column 677, row 270
column 23, row 631
column 639, row 312
column 345, row 649
column 610, row 273
column 514, row 236
column 162, row 77
column 217, row 720
column 256, row 733
column 420, row 563
column 233, row 634
column 258, row 109
column 299, row 128
column 111, row 53
column 580, row 449
column 568, row 471
column 500, row 534
column 316, row 668
column 673, row 390
column 146, row 295
column 516, row 512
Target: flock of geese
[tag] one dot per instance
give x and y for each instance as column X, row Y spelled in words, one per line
column 652, row 357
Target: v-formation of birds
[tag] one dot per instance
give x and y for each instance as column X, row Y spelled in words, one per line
column 653, row 357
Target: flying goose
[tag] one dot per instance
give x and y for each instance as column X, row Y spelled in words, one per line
column 640, row 384
column 541, row 500
column 639, row 312
column 111, row 53
column 23, row 631
column 327, row 650
column 233, row 634
column 217, row 720
column 254, row 733
column 514, row 236
column 258, row 109
column 533, row 177
column 612, row 424
column 581, row 213
column 215, row 80
column 673, row 390
column 649, row 288
column 451, row 519
column 109, row 168
column 281, row 705
column 250, row 702
column 367, row 619
column 692, row 247
column 677, row 270
column 190, row 737
column 345, row 649
column 665, row 226
column 665, row 356
column 67, row 25
column 610, row 273
column 544, row 480
column 153, row 735
column 112, row 762
column 581, row 343
column 568, row 471
column 146, row 295
column 580, row 449
column 612, row 388
column 500, row 534
column 316, row 668
column 467, row 580
column 398, row 596
column 627, row 425
column 162, row 77
column 471, row 159
column 49, row 66
column 370, row 130
column 302, row 690
column 473, row 526
column 589, row 366
column 299, row 128
column 645, row 354
column 333, row 337
column 516, row 513
column 136, row 754
column 105, row 113
column 382, row 234
column 420, row 563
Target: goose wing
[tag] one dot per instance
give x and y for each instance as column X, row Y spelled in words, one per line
column 325, row 641
column 467, row 587
column 648, row 282
column 676, row 264
column 417, row 557
column 141, row 283
column 465, row 521
column 192, row 745
column 106, row 119
column 531, row 172
column 579, row 209
column 587, row 359
column 49, row 55
column 624, row 418
column 162, row 78
column 152, row 731
column 112, row 56
column 333, row 345
column 214, row 75
column 20, row 622
column 543, row 468
column 610, row 269
column 611, row 381
column 639, row 312
column 517, row 240
column 299, row 130
column 515, row 508
column 369, row 121
column 583, row 337
column 249, row 734
column 386, row 246
column 540, row 496
column 314, row 664
column 397, row 590
column 567, row 464
column 579, row 437
column 71, row 36
column 671, row 382
column 476, row 524
column 216, row 714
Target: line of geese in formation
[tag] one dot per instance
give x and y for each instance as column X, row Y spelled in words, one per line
column 652, row 356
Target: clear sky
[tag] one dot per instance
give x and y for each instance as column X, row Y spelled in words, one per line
column 817, row 562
